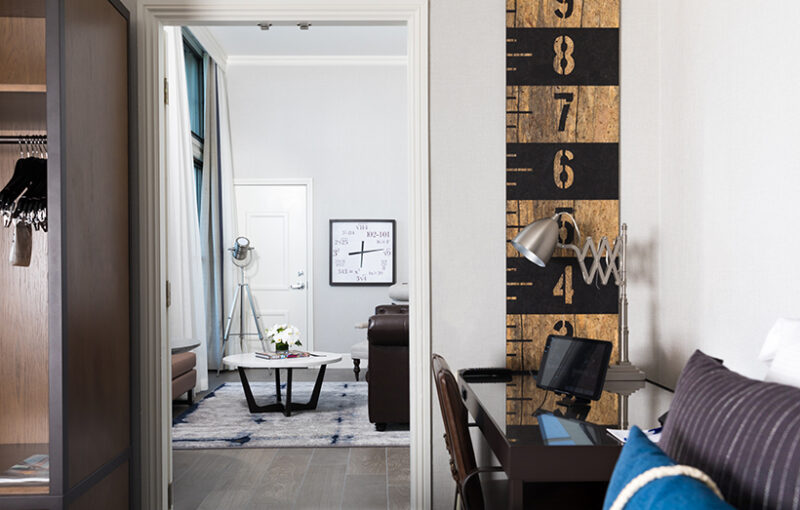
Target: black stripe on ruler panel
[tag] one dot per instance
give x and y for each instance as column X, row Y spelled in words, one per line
column 536, row 296
column 562, row 171
column 532, row 58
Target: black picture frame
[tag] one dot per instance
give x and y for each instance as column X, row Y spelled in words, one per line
column 362, row 284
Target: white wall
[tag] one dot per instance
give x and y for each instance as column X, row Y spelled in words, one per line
column 724, row 190
column 344, row 126
column 468, row 192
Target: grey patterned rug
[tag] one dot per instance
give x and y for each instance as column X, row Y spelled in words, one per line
column 222, row 420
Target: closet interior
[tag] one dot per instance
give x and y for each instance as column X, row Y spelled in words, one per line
column 65, row 342
column 24, row 389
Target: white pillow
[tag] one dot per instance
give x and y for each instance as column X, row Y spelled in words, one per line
column 781, row 350
column 398, row 292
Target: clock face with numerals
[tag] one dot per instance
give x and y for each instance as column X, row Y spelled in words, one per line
column 362, row 252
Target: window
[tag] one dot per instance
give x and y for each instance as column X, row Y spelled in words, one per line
column 194, row 57
column 195, row 81
column 198, row 183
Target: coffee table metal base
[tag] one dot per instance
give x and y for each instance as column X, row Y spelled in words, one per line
column 289, row 406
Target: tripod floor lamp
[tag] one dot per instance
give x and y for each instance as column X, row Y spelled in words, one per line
column 241, row 254
column 538, row 241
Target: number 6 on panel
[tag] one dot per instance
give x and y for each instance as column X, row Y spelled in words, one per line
column 563, row 175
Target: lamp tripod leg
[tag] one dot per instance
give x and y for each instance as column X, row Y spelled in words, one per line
column 228, row 325
column 241, row 315
column 255, row 315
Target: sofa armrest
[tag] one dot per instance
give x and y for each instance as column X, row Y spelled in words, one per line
column 391, row 309
column 388, row 329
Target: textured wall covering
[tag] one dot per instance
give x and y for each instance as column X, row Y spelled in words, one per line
column 562, row 134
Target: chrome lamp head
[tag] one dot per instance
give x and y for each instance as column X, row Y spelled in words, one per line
column 538, row 241
column 240, row 248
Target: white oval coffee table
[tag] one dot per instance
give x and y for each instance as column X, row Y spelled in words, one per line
column 250, row 360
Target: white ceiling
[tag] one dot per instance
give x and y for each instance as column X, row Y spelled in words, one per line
column 357, row 40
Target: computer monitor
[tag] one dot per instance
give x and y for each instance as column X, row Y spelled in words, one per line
column 574, row 366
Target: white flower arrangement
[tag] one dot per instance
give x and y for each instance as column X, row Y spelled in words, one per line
column 285, row 334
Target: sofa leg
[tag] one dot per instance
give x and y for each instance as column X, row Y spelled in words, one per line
column 356, row 367
column 190, row 396
column 380, row 427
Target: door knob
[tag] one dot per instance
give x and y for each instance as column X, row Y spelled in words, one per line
column 298, row 286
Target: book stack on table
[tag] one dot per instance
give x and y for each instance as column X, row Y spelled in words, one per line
column 282, row 355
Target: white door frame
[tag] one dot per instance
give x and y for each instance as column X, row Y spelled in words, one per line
column 154, row 373
column 309, row 185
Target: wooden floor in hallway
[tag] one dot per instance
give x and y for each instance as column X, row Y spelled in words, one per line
column 292, row 478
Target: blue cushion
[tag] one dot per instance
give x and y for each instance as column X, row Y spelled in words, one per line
column 640, row 454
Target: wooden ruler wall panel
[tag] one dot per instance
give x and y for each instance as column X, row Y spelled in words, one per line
column 562, row 134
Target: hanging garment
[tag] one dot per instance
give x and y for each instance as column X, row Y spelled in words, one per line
column 21, row 244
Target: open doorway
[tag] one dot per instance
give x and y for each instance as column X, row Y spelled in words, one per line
column 302, row 145
column 153, row 454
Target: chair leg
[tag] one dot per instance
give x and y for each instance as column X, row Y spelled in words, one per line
column 455, row 499
column 356, row 367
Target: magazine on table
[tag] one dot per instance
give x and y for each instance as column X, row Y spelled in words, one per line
column 283, row 355
column 621, row 435
column 33, row 470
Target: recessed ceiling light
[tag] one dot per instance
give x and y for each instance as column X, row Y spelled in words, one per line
column 264, row 26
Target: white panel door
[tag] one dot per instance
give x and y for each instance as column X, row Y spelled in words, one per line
column 275, row 219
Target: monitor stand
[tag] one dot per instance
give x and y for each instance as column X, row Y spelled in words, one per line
column 575, row 407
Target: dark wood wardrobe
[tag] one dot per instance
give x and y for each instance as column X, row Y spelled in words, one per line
column 65, row 342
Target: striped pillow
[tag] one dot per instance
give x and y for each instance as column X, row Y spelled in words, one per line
column 743, row 433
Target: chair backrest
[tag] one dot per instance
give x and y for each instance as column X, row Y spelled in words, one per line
column 457, row 440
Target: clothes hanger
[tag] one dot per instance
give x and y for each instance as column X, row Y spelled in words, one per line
column 31, row 207
column 25, row 195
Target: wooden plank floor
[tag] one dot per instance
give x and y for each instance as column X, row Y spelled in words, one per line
column 292, row 478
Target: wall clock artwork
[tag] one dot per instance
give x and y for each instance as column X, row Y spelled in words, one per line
column 562, row 154
column 362, row 252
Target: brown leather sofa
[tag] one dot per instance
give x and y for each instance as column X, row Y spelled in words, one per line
column 387, row 377
column 184, row 375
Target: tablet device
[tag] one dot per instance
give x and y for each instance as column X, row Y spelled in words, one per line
column 574, row 366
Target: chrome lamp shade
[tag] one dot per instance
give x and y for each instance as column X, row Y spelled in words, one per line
column 240, row 248
column 538, row 241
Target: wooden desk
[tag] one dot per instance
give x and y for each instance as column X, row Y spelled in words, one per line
column 524, row 453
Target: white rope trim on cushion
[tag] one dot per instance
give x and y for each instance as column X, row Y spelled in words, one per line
column 656, row 473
